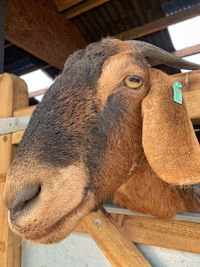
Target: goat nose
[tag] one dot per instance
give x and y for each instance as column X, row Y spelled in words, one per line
column 23, row 199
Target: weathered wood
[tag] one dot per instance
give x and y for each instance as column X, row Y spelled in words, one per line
column 159, row 24
column 83, row 7
column 13, row 94
column 24, row 111
column 190, row 80
column 36, row 27
column 16, row 137
column 64, row 4
column 171, row 234
column 2, row 177
column 38, row 92
column 112, row 240
column 188, row 51
column 3, row 4
column 192, row 101
column 191, row 93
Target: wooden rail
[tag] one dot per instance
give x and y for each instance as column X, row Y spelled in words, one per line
column 13, row 95
column 171, row 234
column 113, row 240
column 159, row 24
column 188, row 51
column 83, row 7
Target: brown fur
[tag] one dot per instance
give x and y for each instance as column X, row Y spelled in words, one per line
column 145, row 192
column 86, row 138
column 169, row 141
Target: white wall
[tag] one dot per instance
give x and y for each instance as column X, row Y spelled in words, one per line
column 79, row 250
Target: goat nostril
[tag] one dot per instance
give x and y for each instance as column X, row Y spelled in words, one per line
column 24, row 199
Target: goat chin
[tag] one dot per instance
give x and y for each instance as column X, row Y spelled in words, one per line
column 64, row 226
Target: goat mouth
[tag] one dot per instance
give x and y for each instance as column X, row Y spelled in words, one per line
column 46, row 232
column 64, row 226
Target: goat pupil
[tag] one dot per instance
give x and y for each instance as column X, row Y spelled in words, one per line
column 134, row 79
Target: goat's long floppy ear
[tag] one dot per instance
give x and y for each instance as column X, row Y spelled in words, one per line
column 169, row 141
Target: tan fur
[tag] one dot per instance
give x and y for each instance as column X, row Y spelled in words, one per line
column 151, row 123
column 169, row 141
column 61, row 192
column 145, row 192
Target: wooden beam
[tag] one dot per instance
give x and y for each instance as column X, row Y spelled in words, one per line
column 38, row 92
column 36, row 27
column 83, row 7
column 8, row 45
column 64, row 4
column 24, row 111
column 159, row 24
column 13, row 95
column 191, row 92
column 188, row 51
column 190, row 80
column 2, row 177
column 113, row 240
column 192, row 101
column 171, row 234
column 3, row 4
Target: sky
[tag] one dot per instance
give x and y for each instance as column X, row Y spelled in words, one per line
column 183, row 34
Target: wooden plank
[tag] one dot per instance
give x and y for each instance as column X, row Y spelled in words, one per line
column 2, row 177
column 38, row 92
column 188, row 51
column 24, row 111
column 83, row 7
column 64, row 4
column 13, row 94
column 16, row 137
column 36, row 27
column 192, row 101
column 191, row 93
column 112, row 240
column 171, row 234
column 190, row 80
column 159, row 24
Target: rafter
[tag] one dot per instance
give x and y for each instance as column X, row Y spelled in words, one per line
column 159, row 24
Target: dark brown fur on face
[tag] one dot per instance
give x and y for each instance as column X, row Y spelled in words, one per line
column 83, row 142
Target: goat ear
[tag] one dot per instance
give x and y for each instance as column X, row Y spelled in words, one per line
column 169, row 141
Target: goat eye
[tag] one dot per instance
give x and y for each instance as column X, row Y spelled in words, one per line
column 133, row 82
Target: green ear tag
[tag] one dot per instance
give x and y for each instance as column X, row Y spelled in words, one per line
column 177, row 92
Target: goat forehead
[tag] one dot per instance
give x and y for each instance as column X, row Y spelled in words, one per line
column 58, row 127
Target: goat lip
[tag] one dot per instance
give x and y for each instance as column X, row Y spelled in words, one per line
column 66, row 224
column 37, row 236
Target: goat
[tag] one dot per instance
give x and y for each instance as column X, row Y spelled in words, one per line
column 145, row 192
column 90, row 133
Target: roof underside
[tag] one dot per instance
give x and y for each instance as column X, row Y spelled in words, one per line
column 107, row 19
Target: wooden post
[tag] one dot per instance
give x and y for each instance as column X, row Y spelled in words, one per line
column 13, row 95
column 113, row 240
